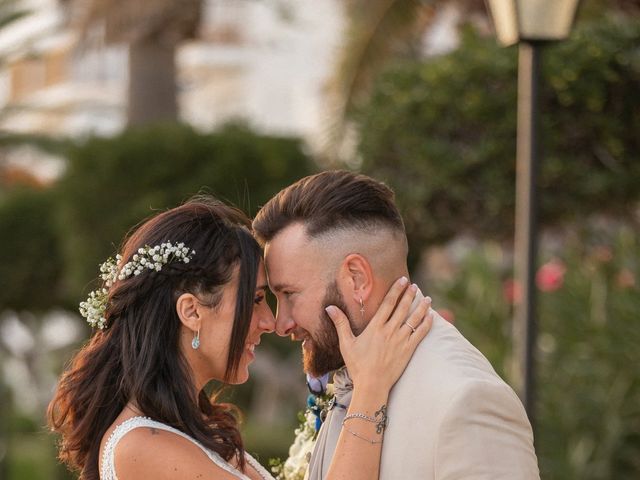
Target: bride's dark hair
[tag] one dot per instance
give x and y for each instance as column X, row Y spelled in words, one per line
column 137, row 356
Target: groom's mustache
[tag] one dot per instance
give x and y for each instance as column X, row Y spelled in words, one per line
column 300, row 334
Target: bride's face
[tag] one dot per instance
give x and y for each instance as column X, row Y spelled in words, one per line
column 217, row 327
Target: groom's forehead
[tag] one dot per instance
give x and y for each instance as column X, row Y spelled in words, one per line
column 290, row 254
column 289, row 243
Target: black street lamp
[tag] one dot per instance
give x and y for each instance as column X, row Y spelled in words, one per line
column 530, row 23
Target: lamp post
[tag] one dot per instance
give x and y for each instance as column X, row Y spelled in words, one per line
column 531, row 23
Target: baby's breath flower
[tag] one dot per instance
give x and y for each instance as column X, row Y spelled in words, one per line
column 93, row 308
column 152, row 258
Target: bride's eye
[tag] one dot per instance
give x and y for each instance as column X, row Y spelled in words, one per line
column 258, row 300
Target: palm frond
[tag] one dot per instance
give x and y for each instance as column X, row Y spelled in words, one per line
column 376, row 32
column 10, row 11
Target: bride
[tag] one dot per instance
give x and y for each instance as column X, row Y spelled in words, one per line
column 183, row 304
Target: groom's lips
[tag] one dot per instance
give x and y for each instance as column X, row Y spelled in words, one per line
column 300, row 336
column 304, row 338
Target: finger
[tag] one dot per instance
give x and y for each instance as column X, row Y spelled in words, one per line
column 421, row 330
column 402, row 310
column 390, row 301
column 341, row 322
column 416, row 317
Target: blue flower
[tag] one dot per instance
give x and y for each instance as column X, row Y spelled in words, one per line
column 318, row 385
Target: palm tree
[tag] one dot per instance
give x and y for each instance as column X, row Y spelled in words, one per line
column 153, row 30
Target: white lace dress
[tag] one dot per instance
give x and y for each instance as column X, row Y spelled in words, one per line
column 108, row 470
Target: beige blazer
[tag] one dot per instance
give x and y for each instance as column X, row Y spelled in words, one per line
column 451, row 417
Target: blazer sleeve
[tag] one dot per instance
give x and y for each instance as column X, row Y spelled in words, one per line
column 485, row 435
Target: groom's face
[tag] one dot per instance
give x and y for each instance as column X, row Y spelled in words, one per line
column 302, row 284
column 321, row 351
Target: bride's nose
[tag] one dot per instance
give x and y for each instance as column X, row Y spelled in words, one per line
column 267, row 321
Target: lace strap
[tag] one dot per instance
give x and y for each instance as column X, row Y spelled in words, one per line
column 258, row 467
column 108, row 469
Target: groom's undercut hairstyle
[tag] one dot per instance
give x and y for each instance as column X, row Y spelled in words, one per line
column 330, row 201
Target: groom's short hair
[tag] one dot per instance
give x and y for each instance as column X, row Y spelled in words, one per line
column 328, row 201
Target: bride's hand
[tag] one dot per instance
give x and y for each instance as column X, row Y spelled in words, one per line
column 377, row 357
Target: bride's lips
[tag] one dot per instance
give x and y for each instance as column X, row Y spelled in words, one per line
column 250, row 348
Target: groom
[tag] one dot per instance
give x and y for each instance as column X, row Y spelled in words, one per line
column 337, row 238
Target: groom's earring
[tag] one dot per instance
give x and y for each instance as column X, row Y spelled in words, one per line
column 362, row 308
column 195, row 343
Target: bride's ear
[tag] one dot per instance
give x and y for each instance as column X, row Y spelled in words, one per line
column 187, row 308
column 358, row 274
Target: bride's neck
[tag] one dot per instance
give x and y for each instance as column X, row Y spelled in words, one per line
column 132, row 407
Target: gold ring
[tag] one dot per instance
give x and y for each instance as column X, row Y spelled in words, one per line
column 413, row 329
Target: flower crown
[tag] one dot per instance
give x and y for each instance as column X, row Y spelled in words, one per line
column 147, row 258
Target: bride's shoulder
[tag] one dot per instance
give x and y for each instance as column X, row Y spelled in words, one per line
column 147, row 448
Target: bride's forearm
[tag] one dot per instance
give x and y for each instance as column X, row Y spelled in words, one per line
column 375, row 359
column 357, row 454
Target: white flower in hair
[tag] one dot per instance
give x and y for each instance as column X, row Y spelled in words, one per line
column 147, row 258
column 94, row 307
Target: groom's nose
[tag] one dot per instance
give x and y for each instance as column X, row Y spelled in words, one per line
column 285, row 325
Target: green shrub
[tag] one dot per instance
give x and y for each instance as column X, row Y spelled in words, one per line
column 588, row 388
column 442, row 132
column 30, row 259
column 114, row 183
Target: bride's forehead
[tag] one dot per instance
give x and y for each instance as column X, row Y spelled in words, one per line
column 262, row 274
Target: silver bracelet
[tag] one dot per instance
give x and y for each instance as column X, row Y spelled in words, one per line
column 372, row 442
column 360, row 415
column 380, row 418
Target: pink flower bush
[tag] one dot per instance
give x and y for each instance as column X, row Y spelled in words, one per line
column 550, row 276
column 447, row 314
column 602, row 254
column 512, row 291
column 626, row 279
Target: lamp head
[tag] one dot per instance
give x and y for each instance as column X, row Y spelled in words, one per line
column 532, row 20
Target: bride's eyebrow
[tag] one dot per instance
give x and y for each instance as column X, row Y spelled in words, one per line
column 262, row 287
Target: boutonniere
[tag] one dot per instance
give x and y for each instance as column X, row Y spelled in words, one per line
column 318, row 404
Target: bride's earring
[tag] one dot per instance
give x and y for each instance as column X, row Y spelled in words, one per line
column 361, row 308
column 195, row 343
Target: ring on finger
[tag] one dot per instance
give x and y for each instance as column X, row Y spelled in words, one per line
column 413, row 329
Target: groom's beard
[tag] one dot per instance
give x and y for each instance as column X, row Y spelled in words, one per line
column 323, row 355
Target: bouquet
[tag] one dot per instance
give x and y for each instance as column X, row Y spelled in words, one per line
column 296, row 465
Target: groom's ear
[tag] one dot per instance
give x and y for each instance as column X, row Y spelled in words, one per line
column 358, row 276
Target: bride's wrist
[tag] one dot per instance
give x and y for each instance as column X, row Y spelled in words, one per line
column 372, row 390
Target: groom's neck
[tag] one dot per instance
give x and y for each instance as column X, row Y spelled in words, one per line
column 381, row 288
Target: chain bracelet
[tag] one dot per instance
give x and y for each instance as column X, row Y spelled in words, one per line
column 380, row 418
column 362, row 416
column 372, row 442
